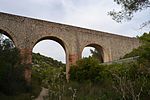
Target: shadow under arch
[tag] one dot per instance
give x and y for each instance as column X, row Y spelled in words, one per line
column 99, row 49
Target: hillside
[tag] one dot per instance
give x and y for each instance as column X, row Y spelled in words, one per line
column 41, row 60
column 45, row 68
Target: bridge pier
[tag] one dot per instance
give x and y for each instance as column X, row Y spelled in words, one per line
column 26, row 61
column 71, row 60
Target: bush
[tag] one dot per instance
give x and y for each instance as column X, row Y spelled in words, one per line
column 143, row 51
column 11, row 72
column 126, row 80
column 86, row 69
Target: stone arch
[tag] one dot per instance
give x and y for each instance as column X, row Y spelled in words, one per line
column 7, row 33
column 56, row 39
column 63, row 44
column 100, row 48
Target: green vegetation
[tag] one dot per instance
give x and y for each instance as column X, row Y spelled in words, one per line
column 86, row 69
column 143, row 51
column 128, row 9
column 11, row 78
column 44, row 69
column 97, row 54
column 125, row 81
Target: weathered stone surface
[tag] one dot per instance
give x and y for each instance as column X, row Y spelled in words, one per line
column 26, row 32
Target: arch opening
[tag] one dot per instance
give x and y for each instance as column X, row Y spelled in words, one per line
column 6, row 41
column 51, row 47
column 56, row 52
column 93, row 50
column 54, row 39
column 49, row 58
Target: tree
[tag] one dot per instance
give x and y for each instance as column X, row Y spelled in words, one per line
column 97, row 55
column 143, row 51
column 86, row 69
column 129, row 7
column 1, row 41
column 11, row 77
column 5, row 43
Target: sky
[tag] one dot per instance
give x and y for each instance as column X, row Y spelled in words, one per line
column 91, row 14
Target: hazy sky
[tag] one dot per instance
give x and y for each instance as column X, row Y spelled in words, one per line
column 90, row 14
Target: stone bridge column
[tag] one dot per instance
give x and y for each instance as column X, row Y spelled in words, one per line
column 71, row 60
column 72, row 57
column 26, row 61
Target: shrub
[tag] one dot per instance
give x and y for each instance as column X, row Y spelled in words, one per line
column 86, row 69
column 11, row 72
column 126, row 80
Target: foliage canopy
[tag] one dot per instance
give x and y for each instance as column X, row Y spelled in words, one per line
column 128, row 9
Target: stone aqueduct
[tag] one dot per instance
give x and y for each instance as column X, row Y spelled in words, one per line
column 26, row 32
